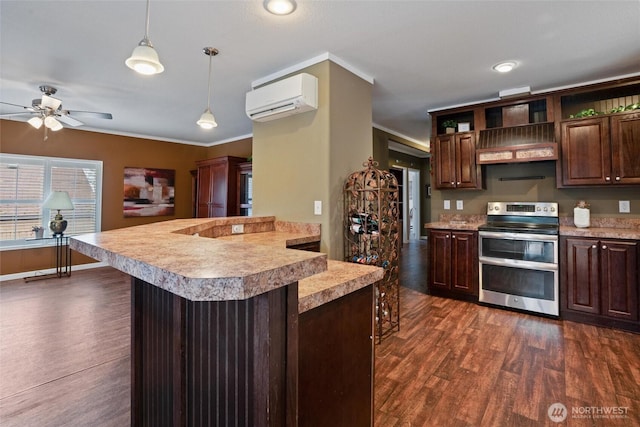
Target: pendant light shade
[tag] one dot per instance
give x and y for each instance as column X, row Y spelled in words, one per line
column 144, row 58
column 207, row 121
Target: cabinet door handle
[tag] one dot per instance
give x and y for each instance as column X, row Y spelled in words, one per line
column 453, row 183
column 604, row 246
column 594, row 246
column 447, row 236
column 458, row 182
column 607, row 178
column 453, row 236
column 617, row 178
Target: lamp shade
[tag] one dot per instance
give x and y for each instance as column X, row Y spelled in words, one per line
column 58, row 200
column 144, row 59
column 207, row 121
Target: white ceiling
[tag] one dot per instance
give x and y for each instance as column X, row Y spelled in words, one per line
column 422, row 55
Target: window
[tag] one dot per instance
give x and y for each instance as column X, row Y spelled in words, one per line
column 26, row 182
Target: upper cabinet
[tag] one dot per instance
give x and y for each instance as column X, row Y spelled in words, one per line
column 455, row 162
column 454, row 150
column 600, row 137
column 593, row 132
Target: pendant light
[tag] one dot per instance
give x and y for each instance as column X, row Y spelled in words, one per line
column 207, row 121
column 144, row 58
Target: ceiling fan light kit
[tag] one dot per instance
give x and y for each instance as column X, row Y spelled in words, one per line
column 53, row 124
column 144, row 58
column 48, row 110
column 207, row 121
column 36, row 122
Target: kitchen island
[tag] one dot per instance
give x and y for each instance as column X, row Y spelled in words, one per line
column 222, row 324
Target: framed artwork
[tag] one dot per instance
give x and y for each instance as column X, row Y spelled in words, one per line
column 148, row 192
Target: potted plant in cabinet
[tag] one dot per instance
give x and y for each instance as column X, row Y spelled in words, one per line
column 449, row 126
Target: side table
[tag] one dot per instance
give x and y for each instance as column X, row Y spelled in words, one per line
column 63, row 259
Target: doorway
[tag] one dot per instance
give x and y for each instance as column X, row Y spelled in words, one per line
column 409, row 198
column 413, row 204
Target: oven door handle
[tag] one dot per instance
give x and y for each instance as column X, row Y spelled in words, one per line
column 529, row 265
column 519, row 236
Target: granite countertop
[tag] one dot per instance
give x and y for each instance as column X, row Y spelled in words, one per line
column 453, row 225
column 174, row 256
column 279, row 239
column 608, row 228
column 341, row 278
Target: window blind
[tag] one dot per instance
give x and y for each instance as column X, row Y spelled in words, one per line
column 26, row 181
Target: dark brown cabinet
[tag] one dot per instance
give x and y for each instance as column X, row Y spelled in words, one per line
column 455, row 161
column 600, row 278
column 217, row 187
column 601, row 150
column 453, row 262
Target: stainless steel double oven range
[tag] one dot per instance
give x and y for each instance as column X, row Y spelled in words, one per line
column 518, row 252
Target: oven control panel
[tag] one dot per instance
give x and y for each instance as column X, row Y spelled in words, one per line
column 523, row 208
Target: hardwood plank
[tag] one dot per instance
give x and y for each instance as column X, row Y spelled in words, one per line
column 98, row 396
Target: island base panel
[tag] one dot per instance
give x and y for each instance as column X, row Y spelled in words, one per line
column 213, row 363
column 336, row 362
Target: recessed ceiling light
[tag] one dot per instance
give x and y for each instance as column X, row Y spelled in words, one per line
column 280, row 7
column 505, row 67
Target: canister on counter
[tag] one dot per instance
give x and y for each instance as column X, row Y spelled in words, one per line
column 582, row 215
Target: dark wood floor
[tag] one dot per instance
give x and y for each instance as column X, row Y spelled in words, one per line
column 64, row 359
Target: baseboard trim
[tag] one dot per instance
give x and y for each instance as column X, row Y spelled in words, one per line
column 22, row 275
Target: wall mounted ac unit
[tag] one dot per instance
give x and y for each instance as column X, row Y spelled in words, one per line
column 293, row 95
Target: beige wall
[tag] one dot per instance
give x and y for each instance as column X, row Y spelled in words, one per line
column 116, row 152
column 604, row 201
column 307, row 157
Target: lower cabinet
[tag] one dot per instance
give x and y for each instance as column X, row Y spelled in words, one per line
column 336, row 362
column 600, row 281
column 453, row 263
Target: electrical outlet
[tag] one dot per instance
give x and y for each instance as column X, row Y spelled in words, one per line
column 237, row 228
column 459, row 205
column 317, row 207
column 624, row 206
column 447, row 204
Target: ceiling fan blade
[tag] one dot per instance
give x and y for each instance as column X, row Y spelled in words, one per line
column 50, row 102
column 69, row 120
column 92, row 114
column 16, row 114
column 19, row 106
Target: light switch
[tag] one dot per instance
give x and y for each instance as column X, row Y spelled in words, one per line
column 317, row 207
column 447, row 204
column 459, row 205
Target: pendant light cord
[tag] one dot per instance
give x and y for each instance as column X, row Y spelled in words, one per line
column 209, row 85
column 146, row 28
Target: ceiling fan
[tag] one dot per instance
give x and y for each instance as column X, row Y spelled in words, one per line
column 48, row 111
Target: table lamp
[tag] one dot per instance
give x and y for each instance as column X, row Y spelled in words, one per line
column 58, row 200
